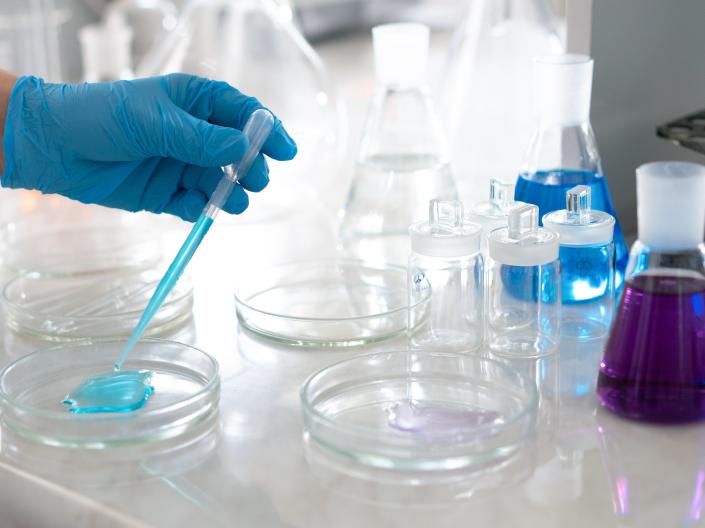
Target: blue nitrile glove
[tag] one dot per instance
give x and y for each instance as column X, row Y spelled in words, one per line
column 153, row 144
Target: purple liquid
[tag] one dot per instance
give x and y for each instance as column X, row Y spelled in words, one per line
column 654, row 363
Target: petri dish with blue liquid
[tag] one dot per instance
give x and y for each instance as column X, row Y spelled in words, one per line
column 165, row 389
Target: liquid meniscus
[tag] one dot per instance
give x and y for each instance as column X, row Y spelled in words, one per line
column 113, row 392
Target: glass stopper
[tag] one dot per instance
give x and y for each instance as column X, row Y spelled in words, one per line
column 578, row 204
column 445, row 215
column 523, row 221
column 501, row 194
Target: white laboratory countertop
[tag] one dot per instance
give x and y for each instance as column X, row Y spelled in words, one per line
column 252, row 468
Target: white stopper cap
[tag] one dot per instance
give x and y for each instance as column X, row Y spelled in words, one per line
column 563, row 86
column 523, row 242
column 578, row 224
column 445, row 234
column 401, row 54
column 106, row 51
column 671, row 204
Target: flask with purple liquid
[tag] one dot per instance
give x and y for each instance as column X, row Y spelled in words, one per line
column 654, row 363
column 563, row 151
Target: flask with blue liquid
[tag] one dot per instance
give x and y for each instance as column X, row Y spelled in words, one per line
column 563, row 152
column 587, row 265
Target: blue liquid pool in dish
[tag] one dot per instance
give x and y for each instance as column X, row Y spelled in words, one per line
column 113, row 392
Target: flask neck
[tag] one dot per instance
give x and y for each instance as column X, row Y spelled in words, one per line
column 559, row 147
column 647, row 260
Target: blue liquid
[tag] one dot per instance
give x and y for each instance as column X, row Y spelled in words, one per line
column 547, row 189
column 169, row 280
column 525, row 282
column 121, row 391
column 585, row 272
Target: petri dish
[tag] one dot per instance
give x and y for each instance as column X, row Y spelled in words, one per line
column 32, row 245
column 474, row 411
column 325, row 303
column 185, row 380
column 91, row 305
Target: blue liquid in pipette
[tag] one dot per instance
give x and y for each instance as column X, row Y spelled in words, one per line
column 548, row 189
column 128, row 390
column 123, row 391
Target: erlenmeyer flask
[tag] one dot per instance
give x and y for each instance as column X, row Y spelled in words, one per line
column 654, row 362
column 563, row 151
column 486, row 102
column 402, row 163
column 254, row 46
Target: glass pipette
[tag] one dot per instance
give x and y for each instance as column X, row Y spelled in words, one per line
column 257, row 130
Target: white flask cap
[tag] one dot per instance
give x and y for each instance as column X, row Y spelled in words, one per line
column 445, row 233
column 562, row 88
column 578, row 224
column 523, row 242
column 401, row 54
column 671, row 204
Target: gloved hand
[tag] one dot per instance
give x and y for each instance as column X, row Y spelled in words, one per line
column 153, row 144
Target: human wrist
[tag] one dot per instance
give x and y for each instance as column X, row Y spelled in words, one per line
column 7, row 83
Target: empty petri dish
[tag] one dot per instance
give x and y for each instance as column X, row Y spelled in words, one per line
column 421, row 411
column 186, row 392
column 32, row 245
column 91, row 305
column 329, row 303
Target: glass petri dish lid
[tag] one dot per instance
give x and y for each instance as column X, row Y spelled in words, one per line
column 91, row 305
column 186, row 392
column 420, row 411
column 70, row 248
column 325, row 303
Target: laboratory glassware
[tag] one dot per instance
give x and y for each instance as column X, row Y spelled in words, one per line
column 445, row 259
column 402, row 163
column 486, row 103
column 326, row 303
column 587, row 265
column 186, row 392
column 457, row 410
column 654, row 361
column 254, row 46
column 257, row 130
column 524, row 287
column 99, row 304
column 106, row 52
column 563, row 151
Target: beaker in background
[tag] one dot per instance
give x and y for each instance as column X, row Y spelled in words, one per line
column 29, row 43
column 445, row 257
column 402, row 163
column 563, row 151
column 654, row 362
column 487, row 105
column 254, row 46
column 524, row 287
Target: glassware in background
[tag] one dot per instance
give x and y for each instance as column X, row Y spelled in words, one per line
column 486, row 103
column 254, row 46
column 563, row 152
column 402, row 163
column 445, row 257
column 29, row 42
column 587, row 265
column 524, row 287
column 654, row 361
column 106, row 51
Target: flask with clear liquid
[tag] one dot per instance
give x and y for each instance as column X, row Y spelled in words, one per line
column 654, row 362
column 402, row 163
column 563, row 152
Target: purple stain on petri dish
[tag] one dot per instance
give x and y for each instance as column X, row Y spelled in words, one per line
column 654, row 363
column 437, row 420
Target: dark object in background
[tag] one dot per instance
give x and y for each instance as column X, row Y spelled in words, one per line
column 687, row 131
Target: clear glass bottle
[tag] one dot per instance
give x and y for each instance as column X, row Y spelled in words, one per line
column 654, row 362
column 254, row 46
column 445, row 257
column 402, row 163
column 524, row 287
column 486, row 105
column 563, row 152
column 587, row 265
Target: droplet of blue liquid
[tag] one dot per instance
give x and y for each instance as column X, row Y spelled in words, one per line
column 118, row 391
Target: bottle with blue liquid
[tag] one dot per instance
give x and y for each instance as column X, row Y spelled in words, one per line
column 563, row 152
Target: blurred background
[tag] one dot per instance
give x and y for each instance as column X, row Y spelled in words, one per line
column 646, row 53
